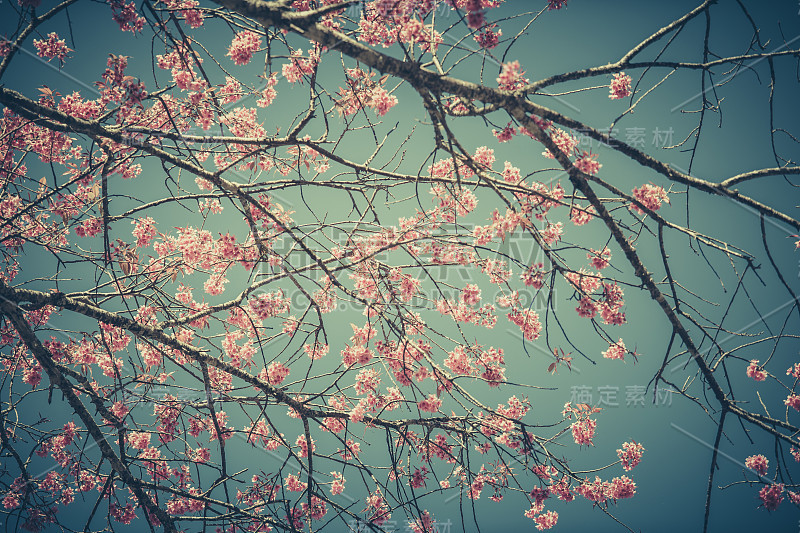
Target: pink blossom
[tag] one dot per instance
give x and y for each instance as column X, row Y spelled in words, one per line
column 630, row 455
column 616, row 351
column 587, row 163
column 431, row 404
column 317, row 510
column 489, row 37
column 599, row 259
column 622, row 487
column 756, row 372
column 337, row 486
column 620, row 86
column 771, row 496
column 275, row 373
column 528, row 322
column 511, row 77
column 243, row 46
column 651, row 196
column 581, row 215
column 471, row 294
column 316, row 351
column 546, row 520
column 583, row 431
column 367, row 380
column 758, row 463
column 301, row 442
column 793, row 401
column 51, row 48
column 125, row 15
column 144, row 231
column 382, row 101
column 294, row 484
column 11, row 501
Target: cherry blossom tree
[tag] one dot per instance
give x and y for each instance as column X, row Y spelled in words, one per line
column 296, row 265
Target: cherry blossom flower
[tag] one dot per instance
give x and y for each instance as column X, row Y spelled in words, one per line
column 51, row 48
column 616, row 351
column 771, row 496
column 243, row 46
column 756, row 372
column 793, row 401
column 651, row 196
column 758, row 463
column 431, row 404
column 630, row 455
column 511, row 77
column 620, row 86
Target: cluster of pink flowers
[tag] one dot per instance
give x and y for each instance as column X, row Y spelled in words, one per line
column 351, row 450
column 294, row 484
column 546, row 520
column 771, row 496
column 528, row 322
column 430, row 404
column 583, row 428
column 453, row 204
column 267, row 305
column 587, row 163
column 620, row 86
column 630, row 455
column 268, row 94
column 356, row 354
column 367, row 380
column 583, row 431
column 125, row 15
column 533, row 276
column 316, row 351
column 337, row 485
column 418, row 478
column 757, row 463
column 565, row 142
column 488, row 37
column 377, row 508
column 187, row 10
column 599, row 259
column 243, row 46
column 303, row 445
column 476, row 17
column 511, row 77
column 793, row 401
column 317, row 510
column 51, row 48
column 600, row 491
column 616, row 351
column 471, row 294
column 756, row 372
column 274, row 374
column 651, row 196
column 299, row 66
column 144, row 231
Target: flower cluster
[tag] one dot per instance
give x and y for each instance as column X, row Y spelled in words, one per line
column 630, row 455
column 756, row 372
column 52, row 48
column 620, row 86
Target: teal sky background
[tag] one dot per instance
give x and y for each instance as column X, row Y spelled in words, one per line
column 676, row 434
